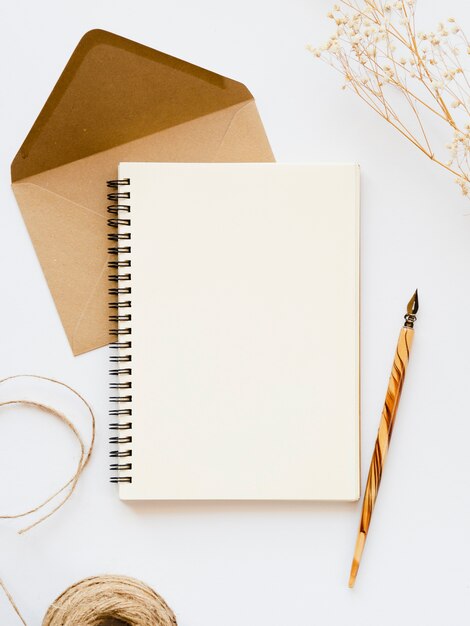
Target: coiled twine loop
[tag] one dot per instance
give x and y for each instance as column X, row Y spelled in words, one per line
column 99, row 600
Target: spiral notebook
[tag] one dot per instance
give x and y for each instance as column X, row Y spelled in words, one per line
column 235, row 313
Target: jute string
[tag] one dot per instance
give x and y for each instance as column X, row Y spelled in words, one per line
column 85, row 451
column 100, row 600
column 104, row 600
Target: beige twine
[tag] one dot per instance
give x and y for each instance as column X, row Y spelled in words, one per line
column 70, row 484
column 104, row 600
column 100, row 600
column 91, row 601
column 84, row 453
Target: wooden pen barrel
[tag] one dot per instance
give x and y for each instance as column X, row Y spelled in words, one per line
column 387, row 422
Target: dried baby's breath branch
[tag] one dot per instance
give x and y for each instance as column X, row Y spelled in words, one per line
column 415, row 81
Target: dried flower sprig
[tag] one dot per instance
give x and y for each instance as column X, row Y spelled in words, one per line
column 411, row 79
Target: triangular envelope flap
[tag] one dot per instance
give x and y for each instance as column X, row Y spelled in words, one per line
column 114, row 91
column 68, row 239
column 220, row 136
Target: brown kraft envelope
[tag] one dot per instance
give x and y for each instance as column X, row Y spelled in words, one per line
column 116, row 100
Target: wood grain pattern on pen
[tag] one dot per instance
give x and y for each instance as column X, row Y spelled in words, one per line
column 387, row 421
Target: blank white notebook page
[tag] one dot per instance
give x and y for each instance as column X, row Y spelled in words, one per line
column 245, row 331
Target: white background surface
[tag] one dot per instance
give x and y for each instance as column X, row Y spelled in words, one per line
column 265, row 564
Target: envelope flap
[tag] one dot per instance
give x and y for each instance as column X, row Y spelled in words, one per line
column 74, row 261
column 114, row 91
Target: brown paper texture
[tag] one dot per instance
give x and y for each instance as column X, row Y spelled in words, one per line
column 116, row 100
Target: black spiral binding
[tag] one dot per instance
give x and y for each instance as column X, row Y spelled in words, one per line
column 121, row 331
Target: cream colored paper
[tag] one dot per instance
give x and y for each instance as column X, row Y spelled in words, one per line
column 245, row 331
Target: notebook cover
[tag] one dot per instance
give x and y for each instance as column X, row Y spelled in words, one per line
column 245, row 331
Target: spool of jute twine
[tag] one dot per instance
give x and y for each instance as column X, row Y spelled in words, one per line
column 100, row 600
column 106, row 601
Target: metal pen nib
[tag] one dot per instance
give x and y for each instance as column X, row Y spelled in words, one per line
column 412, row 310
